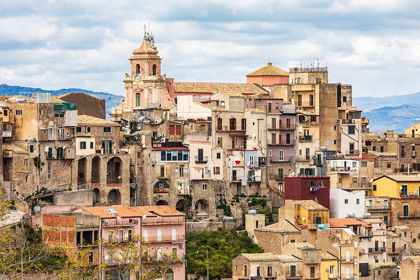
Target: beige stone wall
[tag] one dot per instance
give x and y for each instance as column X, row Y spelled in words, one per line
column 273, row 242
column 80, row 198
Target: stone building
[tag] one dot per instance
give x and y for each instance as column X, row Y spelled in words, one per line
column 86, row 104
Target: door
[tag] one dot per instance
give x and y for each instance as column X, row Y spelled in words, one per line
column 312, row 272
column 311, row 100
column 404, row 190
column 393, row 247
column 300, row 100
column 219, row 124
column 351, row 146
column 174, row 234
column 233, row 124
column 273, row 138
column 159, row 234
column 243, row 124
column 233, row 175
column 200, row 155
column 273, row 123
column 292, row 270
column 318, row 220
column 146, row 234
column 288, row 138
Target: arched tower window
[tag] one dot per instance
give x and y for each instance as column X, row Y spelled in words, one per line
column 154, row 69
column 137, row 69
column 138, row 101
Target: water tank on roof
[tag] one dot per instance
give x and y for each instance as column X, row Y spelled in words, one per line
column 367, row 215
column 322, row 226
column 351, row 215
column 252, row 212
column 30, row 139
column 228, row 219
column 37, row 209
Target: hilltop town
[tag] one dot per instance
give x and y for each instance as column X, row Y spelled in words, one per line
column 284, row 159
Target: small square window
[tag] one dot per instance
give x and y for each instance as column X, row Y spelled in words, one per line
column 79, row 129
column 88, row 129
column 204, row 187
column 335, row 128
column 218, row 155
column 346, row 201
column 374, row 187
column 357, row 201
column 91, row 145
column 107, row 129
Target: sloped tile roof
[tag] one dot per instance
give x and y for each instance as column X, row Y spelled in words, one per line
column 346, row 222
column 284, row 226
column 310, row 205
column 85, row 119
column 327, row 256
column 231, row 89
column 269, row 70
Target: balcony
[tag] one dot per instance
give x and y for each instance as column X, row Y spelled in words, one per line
column 348, row 260
column 123, row 223
column 303, row 158
column 163, row 221
column 306, row 103
column 254, row 179
column 230, row 128
column 352, row 153
column 165, row 238
column 305, row 138
column 273, row 126
column 276, row 142
column 281, row 159
column 201, row 160
column 352, row 121
column 353, row 186
column 342, row 169
column 376, row 250
column 396, row 251
column 382, row 208
column 293, row 277
column 113, row 180
column 285, row 126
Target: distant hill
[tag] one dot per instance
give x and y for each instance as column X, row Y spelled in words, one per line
column 395, row 112
column 111, row 100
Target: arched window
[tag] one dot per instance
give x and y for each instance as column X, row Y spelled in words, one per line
column 154, row 69
column 138, row 100
column 137, row 69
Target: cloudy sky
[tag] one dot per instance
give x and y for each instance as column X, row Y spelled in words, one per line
column 372, row 44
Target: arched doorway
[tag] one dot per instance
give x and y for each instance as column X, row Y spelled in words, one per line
column 183, row 206
column 202, row 208
column 114, row 197
column 169, row 275
column 154, row 69
column 161, row 202
column 96, row 196
column 161, row 187
column 113, row 169
column 81, row 174
column 96, row 167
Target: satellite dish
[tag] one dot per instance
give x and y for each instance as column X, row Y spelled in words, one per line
column 179, row 188
column 144, row 216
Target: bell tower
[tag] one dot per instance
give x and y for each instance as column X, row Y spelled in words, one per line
column 145, row 86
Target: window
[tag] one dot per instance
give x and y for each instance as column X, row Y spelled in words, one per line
column 174, row 251
column 245, row 270
column 91, row 145
column 270, row 153
column 354, row 179
column 120, row 235
column 88, row 129
column 58, row 115
column 357, row 201
column 363, row 164
column 154, row 69
column 269, row 271
column 344, row 98
column 174, row 156
column 346, row 201
column 25, row 162
column 181, row 171
column 83, row 145
column 335, row 128
column 351, row 129
column 281, row 155
column 79, row 129
column 293, row 270
column 216, row 170
column 138, row 99
column 204, row 187
column 280, row 172
column 218, row 155
column 374, row 148
column 49, row 171
column 162, row 171
column 18, row 112
column 31, row 148
column 51, row 133
column 107, row 129
column 388, row 165
column 146, row 234
column 374, row 187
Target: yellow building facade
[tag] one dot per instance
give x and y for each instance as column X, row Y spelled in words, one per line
column 396, row 186
column 329, row 266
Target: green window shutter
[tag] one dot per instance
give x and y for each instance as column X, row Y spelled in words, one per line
column 91, row 145
column 374, row 187
column 31, row 148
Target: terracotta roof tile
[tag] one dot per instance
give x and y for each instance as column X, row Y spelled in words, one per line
column 310, row 205
column 402, row 178
column 270, row 257
column 283, row 226
column 269, row 70
column 231, row 89
column 85, row 119
column 122, row 211
column 327, row 256
column 347, row 222
column 303, row 245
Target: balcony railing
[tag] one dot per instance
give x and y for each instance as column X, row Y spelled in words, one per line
column 281, row 159
column 165, row 238
column 163, row 221
column 352, row 152
column 306, row 103
column 283, row 142
column 305, row 138
column 303, row 158
column 293, row 277
column 377, row 250
column 273, row 126
column 230, row 128
column 353, row 186
column 348, row 121
column 285, row 126
column 348, row 260
column 203, row 159
column 113, row 181
column 378, row 208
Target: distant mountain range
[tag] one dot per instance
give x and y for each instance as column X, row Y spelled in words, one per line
column 396, row 112
column 111, row 100
column 385, row 113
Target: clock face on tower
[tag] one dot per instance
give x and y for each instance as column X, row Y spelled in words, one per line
column 138, row 78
